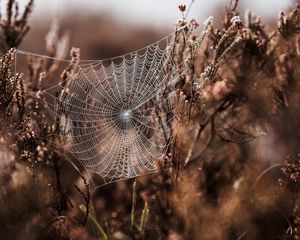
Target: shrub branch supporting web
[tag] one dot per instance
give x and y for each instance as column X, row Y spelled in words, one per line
column 116, row 114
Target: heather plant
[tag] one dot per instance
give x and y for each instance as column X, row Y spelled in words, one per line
column 14, row 25
column 234, row 170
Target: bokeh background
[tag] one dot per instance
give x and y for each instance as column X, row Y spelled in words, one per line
column 154, row 12
column 92, row 25
column 232, row 191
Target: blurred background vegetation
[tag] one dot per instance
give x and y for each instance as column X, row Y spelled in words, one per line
column 238, row 178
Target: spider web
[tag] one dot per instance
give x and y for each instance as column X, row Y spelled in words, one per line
column 116, row 114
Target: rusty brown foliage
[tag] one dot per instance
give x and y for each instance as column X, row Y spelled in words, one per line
column 235, row 156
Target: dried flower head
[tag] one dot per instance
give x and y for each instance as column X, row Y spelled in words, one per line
column 182, row 7
column 236, row 20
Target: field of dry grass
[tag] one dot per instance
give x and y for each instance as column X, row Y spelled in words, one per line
column 235, row 171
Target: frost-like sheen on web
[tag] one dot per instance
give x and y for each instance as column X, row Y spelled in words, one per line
column 116, row 114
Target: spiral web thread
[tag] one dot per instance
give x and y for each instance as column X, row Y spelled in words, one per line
column 116, row 114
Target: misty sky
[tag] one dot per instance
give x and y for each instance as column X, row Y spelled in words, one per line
column 155, row 12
